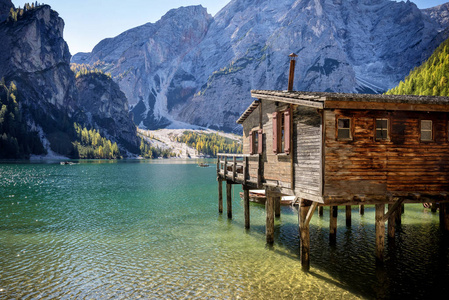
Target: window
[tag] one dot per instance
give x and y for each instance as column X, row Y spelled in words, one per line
column 256, row 141
column 344, row 129
column 381, row 129
column 426, row 130
column 282, row 131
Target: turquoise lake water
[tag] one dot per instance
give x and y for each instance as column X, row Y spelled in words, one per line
column 151, row 230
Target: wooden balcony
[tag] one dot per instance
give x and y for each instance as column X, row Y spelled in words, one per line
column 240, row 168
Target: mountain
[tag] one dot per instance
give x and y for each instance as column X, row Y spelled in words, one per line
column 431, row 78
column 35, row 59
column 190, row 67
column 106, row 108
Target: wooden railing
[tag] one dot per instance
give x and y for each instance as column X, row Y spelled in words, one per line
column 239, row 168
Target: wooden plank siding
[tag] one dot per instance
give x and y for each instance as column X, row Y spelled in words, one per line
column 401, row 165
column 307, row 143
column 277, row 166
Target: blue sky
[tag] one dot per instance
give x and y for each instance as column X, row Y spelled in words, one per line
column 87, row 22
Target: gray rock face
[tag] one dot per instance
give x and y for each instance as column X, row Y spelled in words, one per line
column 201, row 72
column 439, row 13
column 5, row 6
column 34, row 55
column 106, row 107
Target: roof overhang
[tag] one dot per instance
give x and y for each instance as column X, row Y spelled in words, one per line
column 321, row 100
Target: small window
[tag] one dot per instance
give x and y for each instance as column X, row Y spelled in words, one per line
column 426, row 130
column 256, row 140
column 381, row 129
column 344, row 128
column 282, row 150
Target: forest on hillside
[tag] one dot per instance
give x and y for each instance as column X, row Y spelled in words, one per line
column 210, row 143
column 429, row 79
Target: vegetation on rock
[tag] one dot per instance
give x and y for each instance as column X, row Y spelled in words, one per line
column 210, row 143
column 429, row 79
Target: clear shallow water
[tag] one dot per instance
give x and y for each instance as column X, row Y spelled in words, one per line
column 151, row 230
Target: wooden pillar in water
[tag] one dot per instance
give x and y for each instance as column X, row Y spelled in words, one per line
column 269, row 210
column 229, row 199
column 246, row 205
column 277, row 206
column 220, row 196
column 380, row 232
column 348, row 216
column 392, row 222
column 444, row 216
column 320, row 211
column 333, row 211
column 361, row 210
column 304, row 234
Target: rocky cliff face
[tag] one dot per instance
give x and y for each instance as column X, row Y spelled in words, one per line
column 34, row 55
column 106, row 108
column 201, row 72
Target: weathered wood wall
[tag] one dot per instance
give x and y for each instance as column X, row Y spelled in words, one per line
column 401, row 165
column 276, row 168
column 307, row 143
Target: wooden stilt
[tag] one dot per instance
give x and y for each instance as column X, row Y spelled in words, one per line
column 229, row 199
column 399, row 213
column 348, row 215
column 392, row 222
column 333, row 224
column 442, row 213
column 269, row 209
column 277, row 206
column 446, row 216
column 246, row 205
column 380, row 232
column 402, row 208
column 220, row 196
column 304, row 237
column 361, row 210
column 434, row 207
column 320, row 211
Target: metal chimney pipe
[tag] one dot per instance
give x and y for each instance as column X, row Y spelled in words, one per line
column 291, row 75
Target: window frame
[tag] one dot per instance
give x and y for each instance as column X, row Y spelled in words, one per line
column 282, row 132
column 432, row 135
column 337, row 128
column 387, row 129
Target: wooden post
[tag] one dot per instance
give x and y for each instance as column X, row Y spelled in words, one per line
column 380, row 232
column 446, row 215
column 392, row 222
column 220, row 196
column 246, row 205
column 434, row 207
column 361, row 210
column 348, row 215
column 277, row 206
column 225, row 168
column 269, row 209
column 304, row 236
column 229, row 198
column 320, row 211
column 234, row 168
column 333, row 224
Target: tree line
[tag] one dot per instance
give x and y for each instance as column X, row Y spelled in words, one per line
column 429, row 79
column 150, row 152
column 15, row 14
column 85, row 69
column 210, row 143
column 91, row 145
column 16, row 141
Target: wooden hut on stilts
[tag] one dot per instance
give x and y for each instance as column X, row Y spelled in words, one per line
column 333, row 149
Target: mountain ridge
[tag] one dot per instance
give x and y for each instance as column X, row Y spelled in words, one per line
column 343, row 46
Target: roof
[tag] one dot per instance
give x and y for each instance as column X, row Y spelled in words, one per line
column 321, row 100
column 248, row 111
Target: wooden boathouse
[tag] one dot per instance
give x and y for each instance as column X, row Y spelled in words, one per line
column 331, row 149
